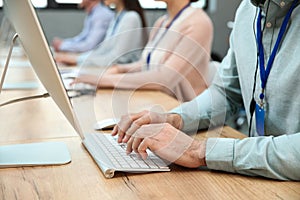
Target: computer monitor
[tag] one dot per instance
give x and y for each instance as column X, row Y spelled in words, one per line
column 24, row 19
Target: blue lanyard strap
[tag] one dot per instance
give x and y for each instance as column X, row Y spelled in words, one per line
column 166, row 30
column 264, row 73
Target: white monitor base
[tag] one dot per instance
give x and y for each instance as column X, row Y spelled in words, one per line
column 34, row 154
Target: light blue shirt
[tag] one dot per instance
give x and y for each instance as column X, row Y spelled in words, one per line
column 123, row 43
column 277, row 154
column 93, row 32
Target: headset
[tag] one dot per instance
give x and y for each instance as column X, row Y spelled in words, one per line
column 258, row 2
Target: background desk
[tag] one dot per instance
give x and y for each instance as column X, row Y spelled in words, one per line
column 41, row 120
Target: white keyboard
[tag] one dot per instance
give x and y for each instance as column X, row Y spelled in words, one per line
column 111, row 156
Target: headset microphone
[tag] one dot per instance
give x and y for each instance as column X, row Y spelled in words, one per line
column 258, row 2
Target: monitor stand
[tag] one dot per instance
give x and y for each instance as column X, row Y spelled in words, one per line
column 34, row 154
column 31, row 154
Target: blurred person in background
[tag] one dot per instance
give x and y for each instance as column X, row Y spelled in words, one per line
column 175, row 59
column 94, row 29
column 124, row 39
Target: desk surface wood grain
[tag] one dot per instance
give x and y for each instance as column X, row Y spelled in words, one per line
column 82, row 179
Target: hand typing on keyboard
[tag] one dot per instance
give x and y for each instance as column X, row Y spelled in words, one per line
column 128, row 124
column 160, row 133
column 131, row 154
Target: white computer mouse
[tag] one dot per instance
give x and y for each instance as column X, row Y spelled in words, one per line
column 106, row 124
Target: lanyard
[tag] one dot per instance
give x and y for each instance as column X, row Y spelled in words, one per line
column 166, row 30
column 117, row 21
column 264, row 72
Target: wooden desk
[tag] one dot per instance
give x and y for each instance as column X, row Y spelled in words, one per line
column 33, row 119
column 115, row 103
column 82, row 179
column 40, row 120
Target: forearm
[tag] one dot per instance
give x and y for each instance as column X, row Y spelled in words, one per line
column 206, row 110
column 120, row 81
column 152, row 80
column 131, row 67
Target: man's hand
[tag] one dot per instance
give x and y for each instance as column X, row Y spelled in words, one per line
column 129, row 124
column 168, row 143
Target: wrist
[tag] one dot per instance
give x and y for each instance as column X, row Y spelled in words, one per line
column 195, row 154
column 199, row 149
column 202, row 153
column 175, row 120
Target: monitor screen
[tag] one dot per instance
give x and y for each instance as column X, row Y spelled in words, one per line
column 26, row 24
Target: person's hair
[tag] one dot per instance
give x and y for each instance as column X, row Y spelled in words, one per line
column 193, row 0
column 135, row 6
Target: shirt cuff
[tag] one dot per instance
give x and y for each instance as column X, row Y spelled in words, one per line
column 64, row 46
column 220, row 154
column 189, row 124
